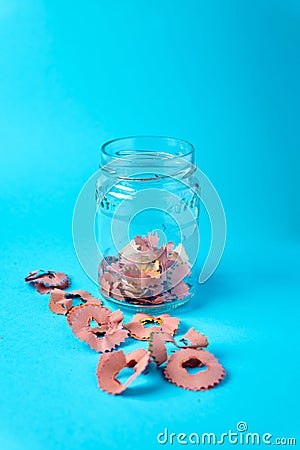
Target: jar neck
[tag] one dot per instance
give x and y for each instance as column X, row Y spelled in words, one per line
column 147, row 158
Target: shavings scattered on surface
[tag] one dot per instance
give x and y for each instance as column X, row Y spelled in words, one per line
column 46, row 280
column 145, row 274
column 157, row 347
column 108, row 331
column 61, row 302
column 111, row 364
column 195, row 339
column 103, row 330
column 164, row 322
column 176, row 369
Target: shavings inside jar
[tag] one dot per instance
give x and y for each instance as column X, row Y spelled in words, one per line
column 145, row 274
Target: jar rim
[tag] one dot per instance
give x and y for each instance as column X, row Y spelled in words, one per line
column 186, row 147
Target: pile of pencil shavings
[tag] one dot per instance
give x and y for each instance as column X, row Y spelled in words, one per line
column 146, row 274
column 103, row 330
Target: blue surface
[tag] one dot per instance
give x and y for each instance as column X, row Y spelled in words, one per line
column 224, row 75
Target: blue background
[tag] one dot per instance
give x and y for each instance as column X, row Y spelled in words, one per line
column 223, row 75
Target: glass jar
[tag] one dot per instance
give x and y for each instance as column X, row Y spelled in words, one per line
column 147, row 222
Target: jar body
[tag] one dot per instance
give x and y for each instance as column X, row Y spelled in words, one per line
column 147, row 225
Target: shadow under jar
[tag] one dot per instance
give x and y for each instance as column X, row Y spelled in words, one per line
column 147, row 222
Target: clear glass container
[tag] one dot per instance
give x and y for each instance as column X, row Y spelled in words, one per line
column 147, row 222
